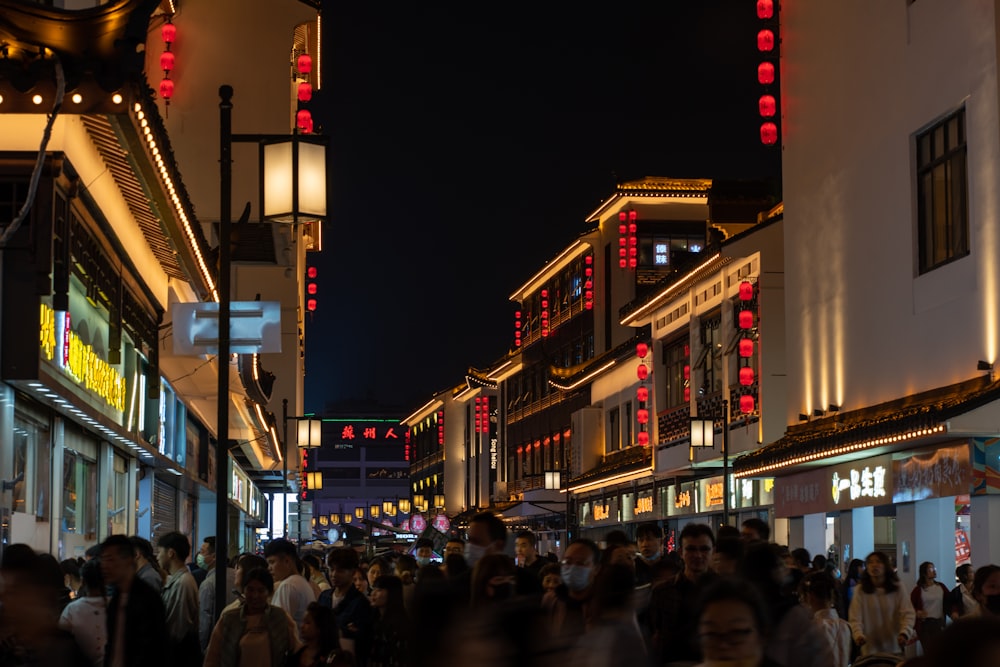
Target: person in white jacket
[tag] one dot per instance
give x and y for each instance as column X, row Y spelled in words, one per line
column 818, row 594
column 881, row 614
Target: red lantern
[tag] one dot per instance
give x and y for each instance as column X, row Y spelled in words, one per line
column 746, row 291
column 642, row 371
column 622, row 215
column 303, row 119
column 168, row 32
column 167, row 60
column 311, row 304
column 746, row 348
column 622, row 263
column 746, row 376
column 304, row 64
column 767, row 106
column 622, row 229
column 765, row 73
column 746, row 404
column 765, row 40
column 641, row 349
column 642, row 438
column 642, row 415
column 312, row 289
column 746, row 319
column 642, row 394
column 768, row 134
column 166, row 89
column 633, row 262
column 588, row 260
column 687, row 372
column 687, row 394
column 305, row 91
column 765, row 9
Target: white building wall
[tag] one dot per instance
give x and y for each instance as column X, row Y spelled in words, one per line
column 863, row 78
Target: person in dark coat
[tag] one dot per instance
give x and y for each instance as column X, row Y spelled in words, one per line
column 136, row 618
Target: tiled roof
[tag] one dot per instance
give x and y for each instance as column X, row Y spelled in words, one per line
column 630, row 459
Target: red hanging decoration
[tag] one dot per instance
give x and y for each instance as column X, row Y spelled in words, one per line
column 765, row 9
column 641, row 350
column 642, row 438
column 305, row 91
column 745, row 319
column 765, row 73
column 765, row 41
column 746, row 404
column 168, row 32
column 167, row 60
column 642, row 393
column 642, row 371
column 746, row 376
column 746, row 348
column 311, row 304
column 303, row 120
column 746, row 291
column 767, row 106
column 304, row 63
column 768, row 134
column 166, row 89
column 642, row 415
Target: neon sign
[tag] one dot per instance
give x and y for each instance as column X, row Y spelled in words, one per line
column 682, row 499
column 644, row 505
column 714, row 493
column 601, row 512
column 865, row 482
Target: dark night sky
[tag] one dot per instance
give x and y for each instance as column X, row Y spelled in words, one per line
column 467, row 149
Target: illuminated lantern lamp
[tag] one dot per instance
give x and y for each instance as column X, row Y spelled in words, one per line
column 166, row 89
column 642, row 438
column 642, row 415
column 622, row 242
column 305, row 91
column 633, row 252
column 746, row 376
column 642, row 349
column 311, row 288
column 765, row 40
column 687, row 372
column 642, row 394
column 642, row 371
column 167, row 60
column 303, row 120
column 765, row 9
column 632, row 215
column 746, row 347
column 767, row 106
column 304, row 63
column 687, row 394
column 768, row 134
column 622, row 229
column 588, row 260
column 632, row 228
column 746, row 404
column 765, row 73
column 632, row 262
column 311, row 305
column 168, row 32
column 746, row 319
column 746, row 291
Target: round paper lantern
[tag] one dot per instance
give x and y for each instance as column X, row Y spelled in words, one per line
column 166, row 89
column 304, row 63
column 642, row 438
column 746, row 376
column 168, row 32
column 642, row 371
column 765, row 40
column 746, row 347
column 745, row 319
column 687, row 394
column 642, row 415
column 642, row 394
column 687, row 372
column 311, row 305
column 746, row 291
column 303, row 119
column 767, row 106
column 765, row 73
column 768, row 134
column 765, row 9
column 746, row 404
column 167, row 60
column 642, row 349
column 305, row 91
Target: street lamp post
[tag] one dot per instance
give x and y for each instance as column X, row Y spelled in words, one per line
column 703, row 435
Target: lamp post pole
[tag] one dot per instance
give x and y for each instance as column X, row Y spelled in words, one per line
column 284, row 466
column 222, row 430
column 725, row 462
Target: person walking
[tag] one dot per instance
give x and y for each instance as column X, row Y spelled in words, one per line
column 881, row 615
column 180, row 599
column 320, row 641
column 819, row 594
column 206, row 591
column 86, row 617
column 137, row 620
column 255, row 633
column 293, row 593
column 391, row 624
column 986, row 590
column 961, row 602
column 930, row 605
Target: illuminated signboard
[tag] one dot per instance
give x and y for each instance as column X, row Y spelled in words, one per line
column 601, row 512
column 644, row 505
column 62, row 346
column 860, row 483
column 868, row 481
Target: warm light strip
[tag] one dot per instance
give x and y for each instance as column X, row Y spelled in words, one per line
column 428, row 407
column 697, row 196
column 255, row 365
column 276, row 448
column 551, row 268
column 653, row 303
column 319, row 50
column 176, row 199
column 845, row 449
column 587, row 378
column 623, row 477
column 468, row 389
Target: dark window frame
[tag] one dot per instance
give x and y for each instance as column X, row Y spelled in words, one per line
column 942, row 193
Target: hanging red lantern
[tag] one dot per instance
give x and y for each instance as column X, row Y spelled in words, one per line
column 641, row 350
column 167, row 61
column 746, row 404
column 687, row 394
column 642, row 371
column 765, row 9
column 765, row 73
column 622, row 263
column 303, row 119
column 767, row 106
column 311, row 305
column 166, row 89
column 746, row 376
column 765, row 40
column 633, row 262
column 687, row 372
column 642, row 415
column 642, row 394
column 305, row 91
column 768, row 134
column 745, row 319
column 304, row 63
column 312, row 289
column 746, row 291
column 168, row 32
column 746, row 348
column 642, row 438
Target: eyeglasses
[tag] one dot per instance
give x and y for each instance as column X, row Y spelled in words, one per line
column 701, row 549
column 732, row 638
column 578, row 564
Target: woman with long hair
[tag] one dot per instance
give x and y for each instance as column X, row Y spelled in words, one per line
column 255, row 632
column 389, row 631
column 320, row 640
column 881, row 615
column 851, row 579
column 986, row 590
column 930, row 600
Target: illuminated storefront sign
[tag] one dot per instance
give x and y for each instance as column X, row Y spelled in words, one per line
column 62, row 346
column 860, row 483
column 601, row 512
column 644, row 505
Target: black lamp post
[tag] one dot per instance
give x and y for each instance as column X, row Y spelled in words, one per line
column 703, row 435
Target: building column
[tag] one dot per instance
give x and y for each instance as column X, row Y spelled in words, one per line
column 906, row 544
column 984, row 514
column 857, row 533
column 814, row 533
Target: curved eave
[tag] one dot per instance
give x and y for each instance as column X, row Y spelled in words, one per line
column 579, row 247
column 689, row 190
column 568, row 379
column 423, row 412
column 639, row 311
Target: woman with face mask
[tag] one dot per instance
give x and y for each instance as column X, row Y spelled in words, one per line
column 986, row 590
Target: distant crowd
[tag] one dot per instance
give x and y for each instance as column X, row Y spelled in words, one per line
column 728, row 597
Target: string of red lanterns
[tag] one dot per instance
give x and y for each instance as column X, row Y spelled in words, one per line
column 168, row 60
column 767, row 43
column 545, row 313
column 517, row 328
column 745, row 348
column 588, row 284
column 303, row 117
column 642, row 394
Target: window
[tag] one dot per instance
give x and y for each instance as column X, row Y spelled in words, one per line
column 675, row 358
column 628, row 424
column 711, row 355
column 942, row 183
column 614, row 431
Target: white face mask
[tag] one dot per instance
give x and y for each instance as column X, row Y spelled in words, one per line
column 473, row 552
column 199, row 560
column 576, row 577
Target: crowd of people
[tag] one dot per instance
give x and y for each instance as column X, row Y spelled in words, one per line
column 728, row 597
